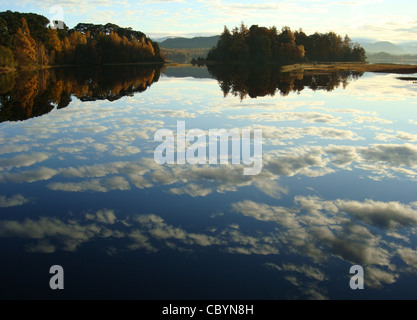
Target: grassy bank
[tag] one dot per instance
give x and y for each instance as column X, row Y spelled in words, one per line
column 359, row 67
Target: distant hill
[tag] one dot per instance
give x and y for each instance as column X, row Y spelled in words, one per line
column 383, row 46
column 410, row 47
column 383, row 57
column 184, row 55
column 187, row 43
column 162, row 39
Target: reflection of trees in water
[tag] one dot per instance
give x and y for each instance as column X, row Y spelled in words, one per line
column 263, row 80
column 30, row 94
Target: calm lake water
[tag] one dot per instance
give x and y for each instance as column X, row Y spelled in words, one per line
column 79, row 186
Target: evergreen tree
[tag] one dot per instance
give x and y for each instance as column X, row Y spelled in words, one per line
column 6, row 57
column 260, row 44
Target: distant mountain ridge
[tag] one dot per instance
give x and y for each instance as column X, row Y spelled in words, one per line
column 383, row 46
column 204, row 42
column 190, row 43
column 209, row 42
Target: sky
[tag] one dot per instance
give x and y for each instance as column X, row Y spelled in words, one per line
column 376, row 20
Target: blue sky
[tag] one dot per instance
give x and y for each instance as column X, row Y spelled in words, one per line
column 389, row 20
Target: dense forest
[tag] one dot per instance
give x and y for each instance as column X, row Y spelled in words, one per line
column 260, row 44
column 26, row 41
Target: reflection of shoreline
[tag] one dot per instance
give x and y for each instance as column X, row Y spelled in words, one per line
column 28, row 94
column 263, row 80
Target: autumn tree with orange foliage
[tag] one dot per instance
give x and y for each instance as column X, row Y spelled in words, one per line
column 25, row 46
column 26, row 42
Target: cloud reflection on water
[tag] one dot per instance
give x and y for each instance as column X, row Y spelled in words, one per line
column 107, row 147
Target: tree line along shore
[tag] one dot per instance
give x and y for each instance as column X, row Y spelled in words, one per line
column 27, row 42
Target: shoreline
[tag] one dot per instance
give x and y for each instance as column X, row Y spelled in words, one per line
column 4, row 70
column 301, row 67
column 326, row 67
column 351, row 66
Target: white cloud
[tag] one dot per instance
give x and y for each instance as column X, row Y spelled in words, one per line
column 393, row 154
column 40, row 174
column 70, row 234
column 377, row 278
column 371, row 119
column 95, row 185
column 122, row 151
column 343, row 156
column 93, row 129
column 179, row 114
column 306, row 117
column 70, row 149
column 11, row 148
column 343, row 228
column 23, row 160
column 308, row 271
column 383, row 214
column 277, row 135
column 104, row 216
column 409, row 256
column 309, row 163
column 281, row 215
column 406, row 136
column 192, row 189
column 41, row 247
column 13, row 201
column 378, row 88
